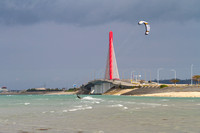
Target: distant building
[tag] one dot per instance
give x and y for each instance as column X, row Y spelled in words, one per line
column 3, row 89
column 40, row 89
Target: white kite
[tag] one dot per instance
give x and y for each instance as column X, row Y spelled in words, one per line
column 147, row 26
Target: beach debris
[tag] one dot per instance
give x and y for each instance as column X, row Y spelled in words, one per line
column 147, row 26
column 43, row 129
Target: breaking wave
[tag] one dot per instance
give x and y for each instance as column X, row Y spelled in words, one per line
column 91, row 98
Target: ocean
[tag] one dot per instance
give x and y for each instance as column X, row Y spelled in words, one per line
column 98, row 114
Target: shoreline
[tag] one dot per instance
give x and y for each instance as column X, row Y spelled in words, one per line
column 39, row 93
column 173, row 94
column 62, row 93
column 175, row 91
column 121, row 92
column 147, row 91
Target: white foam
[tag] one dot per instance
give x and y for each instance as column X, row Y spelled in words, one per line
column 165, row 100
column 71, row 110
column 88, row 107
column 52, row 111
column 90, row 98
column 65, row 111
column 131, row 102
column 26, row 103
column 165, row 105
column 125, row 107
column 42, row 99
column 79, row 106
column 151, row 104
column 117, row 105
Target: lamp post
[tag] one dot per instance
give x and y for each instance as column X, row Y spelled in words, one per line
column 136, row 78
column 132, row 76
column 158, row 71
column 191, row 74
column 139, row 76
column 174, row 75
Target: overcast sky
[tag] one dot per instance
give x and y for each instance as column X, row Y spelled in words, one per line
column 59, row 43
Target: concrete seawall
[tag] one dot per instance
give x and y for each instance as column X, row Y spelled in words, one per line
column 157, row 91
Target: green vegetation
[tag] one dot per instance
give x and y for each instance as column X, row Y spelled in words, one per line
column 31, row 90
column 196, row 78
column 72, row 89
column 163, row 86
column 47, row 89
column 175, row 81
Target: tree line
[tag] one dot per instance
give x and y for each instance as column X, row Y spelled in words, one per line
column 196, row 80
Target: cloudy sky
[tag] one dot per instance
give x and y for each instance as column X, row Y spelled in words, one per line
column 58, row 43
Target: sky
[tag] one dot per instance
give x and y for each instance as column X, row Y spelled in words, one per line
column 60, row 43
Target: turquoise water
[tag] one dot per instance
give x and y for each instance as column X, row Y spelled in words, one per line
column 98, row 114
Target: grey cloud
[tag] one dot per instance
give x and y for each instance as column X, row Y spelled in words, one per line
column 90, row 12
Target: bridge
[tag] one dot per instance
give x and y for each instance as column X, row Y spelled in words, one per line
column 101, row 86
column 111, row 79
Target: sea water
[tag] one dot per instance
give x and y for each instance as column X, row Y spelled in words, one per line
column 98, row 114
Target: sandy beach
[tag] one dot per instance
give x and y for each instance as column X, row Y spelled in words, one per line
column 61, row 93
column 40, row 93
column 124, row 91
column 173, row 94
column 184, row 91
